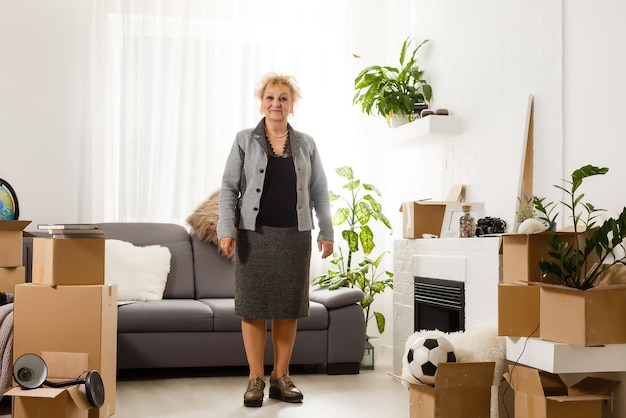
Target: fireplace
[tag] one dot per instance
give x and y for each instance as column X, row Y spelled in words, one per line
column 439, row 304
column 474, row 263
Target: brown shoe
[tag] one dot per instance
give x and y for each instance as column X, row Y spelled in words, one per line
column 254, row 393
column 283, row 389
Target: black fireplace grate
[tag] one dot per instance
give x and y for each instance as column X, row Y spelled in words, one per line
column 443, row 295
column 439, row 304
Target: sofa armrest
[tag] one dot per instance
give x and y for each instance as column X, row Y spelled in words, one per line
column 337, row 298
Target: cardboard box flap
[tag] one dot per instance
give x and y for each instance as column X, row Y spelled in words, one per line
column 79, row 396
column 578, row 398
column 573, row 289
column 593, row 386
column 13, row 225
column 41, row 392
column 457, row 375
column 535, row 382
column 64, row 366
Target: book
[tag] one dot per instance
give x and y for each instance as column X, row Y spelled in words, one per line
column 95, row 231
column 66, row 226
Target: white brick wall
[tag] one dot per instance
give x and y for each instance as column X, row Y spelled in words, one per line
column 474, row 261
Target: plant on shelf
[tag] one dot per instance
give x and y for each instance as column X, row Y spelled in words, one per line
column 525, row 209
column 393, row 91
column 574, row 263
column 359, row 210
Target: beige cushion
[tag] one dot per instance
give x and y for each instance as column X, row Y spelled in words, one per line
column 203, row 220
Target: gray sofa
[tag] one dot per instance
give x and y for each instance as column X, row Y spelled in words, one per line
column 194, row 324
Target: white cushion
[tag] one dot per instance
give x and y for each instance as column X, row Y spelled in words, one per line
column 139, row 272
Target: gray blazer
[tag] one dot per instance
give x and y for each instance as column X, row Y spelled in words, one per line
column 244, row 174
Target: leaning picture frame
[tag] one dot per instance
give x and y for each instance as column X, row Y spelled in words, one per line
column 450, row 225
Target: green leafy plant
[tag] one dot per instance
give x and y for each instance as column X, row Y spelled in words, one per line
column 574, row 263
column 389, row 91
column 360, row 208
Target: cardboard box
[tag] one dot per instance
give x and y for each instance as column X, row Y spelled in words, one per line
column 462, row 390
column 68, row 261
column 11, row 234
column 521, row 254
column 583, row 317
column 10, row 277
column 427, row 216
column 51, row 402
column 518, row 310
column 79, row 319
column 540, row 394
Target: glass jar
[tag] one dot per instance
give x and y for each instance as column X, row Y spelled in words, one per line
column 467, row 225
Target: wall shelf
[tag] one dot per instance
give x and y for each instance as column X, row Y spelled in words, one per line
column 564, row 358
column 432, row 126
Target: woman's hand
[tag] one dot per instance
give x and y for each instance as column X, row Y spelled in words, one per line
column 326, row 247
column 227, row 245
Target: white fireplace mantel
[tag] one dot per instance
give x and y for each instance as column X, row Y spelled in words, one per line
column 474, row 261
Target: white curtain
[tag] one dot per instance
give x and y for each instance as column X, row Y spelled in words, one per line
column 172, row 82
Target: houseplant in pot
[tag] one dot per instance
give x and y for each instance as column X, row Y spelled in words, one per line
column 393, row 91
column 354, row 267
column 587, row 265
column 582, row 263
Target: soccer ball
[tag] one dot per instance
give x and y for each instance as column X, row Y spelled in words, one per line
column 425, row 354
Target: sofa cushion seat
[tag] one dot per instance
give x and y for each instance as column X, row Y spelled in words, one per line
column 224, row 318
column 167, row 315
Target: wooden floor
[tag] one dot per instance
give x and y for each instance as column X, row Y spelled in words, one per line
column 219, row 393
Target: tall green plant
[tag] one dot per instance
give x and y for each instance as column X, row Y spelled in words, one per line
column 359, row 209
column 570, row 263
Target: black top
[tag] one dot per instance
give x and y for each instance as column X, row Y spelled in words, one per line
column 279, row 200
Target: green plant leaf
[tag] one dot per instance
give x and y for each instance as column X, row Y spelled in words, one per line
column 352, row 239
column 340, row 216
column 363, row 213
column 380, row 321
column 367, row 239
column 345, row 172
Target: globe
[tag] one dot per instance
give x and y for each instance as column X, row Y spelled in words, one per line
column 8, row 202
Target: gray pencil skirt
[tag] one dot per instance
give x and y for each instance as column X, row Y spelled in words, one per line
column 272, row 273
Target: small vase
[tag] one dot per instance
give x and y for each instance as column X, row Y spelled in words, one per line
column 397, row 120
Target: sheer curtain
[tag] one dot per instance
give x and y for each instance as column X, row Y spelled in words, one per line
column 172, row 82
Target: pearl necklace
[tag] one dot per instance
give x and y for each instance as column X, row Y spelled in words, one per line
column 270, row 133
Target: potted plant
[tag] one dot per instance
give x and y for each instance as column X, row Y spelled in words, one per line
column 360, row 209
column 393, row 91
column 579, row 263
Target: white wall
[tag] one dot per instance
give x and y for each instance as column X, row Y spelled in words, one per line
column 44, row 47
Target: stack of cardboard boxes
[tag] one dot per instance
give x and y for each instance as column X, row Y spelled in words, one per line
column 66, row 309
column 531, row 308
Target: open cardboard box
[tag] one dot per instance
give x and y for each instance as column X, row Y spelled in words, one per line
column 68, row 261
column 462, row 390
column 521, row 254
column 518, row 310
column 70, row 401
column 427, row 216
column 11, row 234
column 80, row 319
column 539, row 394
column 583, row 318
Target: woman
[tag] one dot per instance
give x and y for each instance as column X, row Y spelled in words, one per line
column 273, row 180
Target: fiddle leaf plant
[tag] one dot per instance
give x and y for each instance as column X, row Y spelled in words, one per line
column 360, row 208
column 574, row 263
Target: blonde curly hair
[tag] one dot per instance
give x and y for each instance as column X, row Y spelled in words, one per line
column 278, row 79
